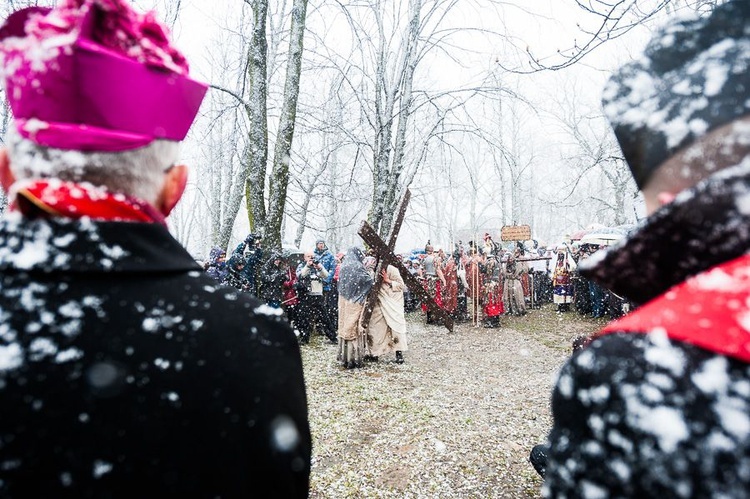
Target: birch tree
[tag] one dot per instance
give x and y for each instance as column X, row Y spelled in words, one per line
column 269, row 221
column 277, row 192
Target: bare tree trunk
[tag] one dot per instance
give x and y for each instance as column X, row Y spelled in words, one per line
column 308, row 190
column 257, row 154
column 303, row 220
column 388, row 162
column 281, row 157
column 384, row 102
column 405, row 109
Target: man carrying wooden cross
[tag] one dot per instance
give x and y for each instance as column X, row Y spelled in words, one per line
column 386, row 258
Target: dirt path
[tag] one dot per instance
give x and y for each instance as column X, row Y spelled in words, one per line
column 456, row 420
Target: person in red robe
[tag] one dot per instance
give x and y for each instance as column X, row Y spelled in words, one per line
column 492, row 298
column 450, row 292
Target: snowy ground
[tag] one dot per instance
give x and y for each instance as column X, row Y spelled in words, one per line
column 456, row 420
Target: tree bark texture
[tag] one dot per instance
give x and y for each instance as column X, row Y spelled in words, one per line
column 282, row 152
column 257, row 154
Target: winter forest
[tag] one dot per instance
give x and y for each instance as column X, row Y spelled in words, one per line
column 322, row 113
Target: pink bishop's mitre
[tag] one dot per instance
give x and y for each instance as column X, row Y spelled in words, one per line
column 94, row 75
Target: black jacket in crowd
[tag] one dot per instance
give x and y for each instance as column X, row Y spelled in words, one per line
column 126, row 372
column 272, row 279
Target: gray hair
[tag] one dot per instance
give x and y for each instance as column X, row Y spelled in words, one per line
column 138, row 172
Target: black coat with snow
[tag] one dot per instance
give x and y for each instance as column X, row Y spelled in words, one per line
column 272, row 280
column 646, row 415
column 126, row 372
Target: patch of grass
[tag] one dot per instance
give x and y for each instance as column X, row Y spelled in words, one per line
column 553, row 329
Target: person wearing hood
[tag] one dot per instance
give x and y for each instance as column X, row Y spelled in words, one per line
column 492, row 292
column 290, row 298
column 657, row 403
column 562, row 278
column 450, row 292
column 125, row 370
column 434, row 280
column 355, row 282
column 243, row 264
column 216, row 266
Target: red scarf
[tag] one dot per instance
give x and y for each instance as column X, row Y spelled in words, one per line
column 710, row 310
column 57, row 198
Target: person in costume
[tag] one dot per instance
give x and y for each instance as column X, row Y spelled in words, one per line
column 512, row 288
column 475, row 281
column 386, row 332
column 493, row 293
column 433, row 279
column 450, row 292
column 657, row 404
column 125, row 370
column 355, row 283
column 562, row 279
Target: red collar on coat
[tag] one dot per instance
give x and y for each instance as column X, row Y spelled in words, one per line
column 45, row 198
column 710, row 310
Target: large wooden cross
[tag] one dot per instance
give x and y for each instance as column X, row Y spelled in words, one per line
column 385, row 257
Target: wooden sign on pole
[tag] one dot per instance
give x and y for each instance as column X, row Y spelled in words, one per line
column 515, row 233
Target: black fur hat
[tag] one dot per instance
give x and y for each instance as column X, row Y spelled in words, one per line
column 693, row 77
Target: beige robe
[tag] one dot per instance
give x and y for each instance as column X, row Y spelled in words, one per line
column 352, row 348
column 387, row 331
column 513, row 291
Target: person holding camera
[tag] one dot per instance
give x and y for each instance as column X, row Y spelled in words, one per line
column 243, row 264
column 311, row 276
column 272, row 276
column 330, row 288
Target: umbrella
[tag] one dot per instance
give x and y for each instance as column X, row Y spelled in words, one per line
column 576, row 236
column 610, row 230
column 601, row 238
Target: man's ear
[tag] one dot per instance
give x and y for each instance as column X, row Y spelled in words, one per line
column 174, row 186
column 6, row 176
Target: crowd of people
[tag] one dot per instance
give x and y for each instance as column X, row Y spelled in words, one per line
column 479, row 283
column 476, row 283
column 318, row 291
column 482, row 282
